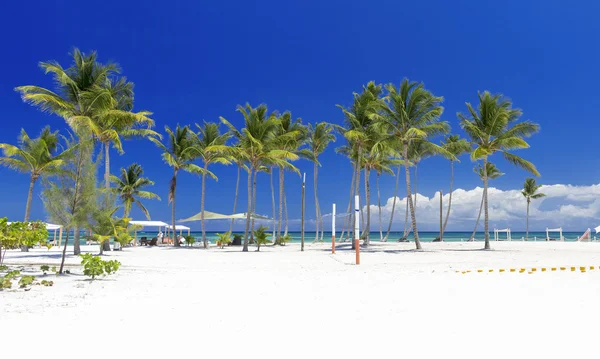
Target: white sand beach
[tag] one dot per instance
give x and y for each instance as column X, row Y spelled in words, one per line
column 281, row 302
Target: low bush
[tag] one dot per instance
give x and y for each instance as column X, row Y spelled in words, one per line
column 94, row 266
column 3, row 268
column 5, row 283
column 283, row 240
column 189, row 240
column 12, row 274
column 26, row 280
column 45, row 269
column 47, row 283
column 224, row 239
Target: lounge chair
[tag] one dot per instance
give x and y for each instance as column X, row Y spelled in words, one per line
column 153, row 242
column 144, row 241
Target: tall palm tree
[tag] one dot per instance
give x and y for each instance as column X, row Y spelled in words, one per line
column 412, row 116
column 319, row 137
column 130, row 187
column 290, row 136
column 239, row 161
column 492, row 173
column 530, row 191
column 211, row 149
column 493, row 128
column 383, row 164
column 34, row 156
column 255, row 140
column 394, row 203
column 456, row 146
column 357, row 119
column 179, row 152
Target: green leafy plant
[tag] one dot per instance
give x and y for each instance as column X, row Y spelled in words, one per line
column 5, row 283
column 49, row 246
column 47, row 283
column 12, row 274
column 53, row 269
column 45, row 269
column 94, row 266
column 3, row 267
column 284, row 239
column 261, row 237
column 189, row 240
column 224, row 239
column 111, row 266
column 26, row 280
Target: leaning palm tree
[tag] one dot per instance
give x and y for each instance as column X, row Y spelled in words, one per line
column 493, row 128
column 383, row 164
column 129, row 189
column 239, row 161
column 211, row 149
column 179, row 152
column 530, row 191
column 318, row 138
column 412, row 116
column 492, row 173
column 456, row 146
column 255, row 141
column 34, row 156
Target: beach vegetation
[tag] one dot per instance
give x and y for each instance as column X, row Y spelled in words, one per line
column 26, row 280
column 130, row 189
column 94, row 266
column 45, row 268
column 494, row 127
column 261, row 237
column 530, row 192
column 190, row 240
column 224, row 239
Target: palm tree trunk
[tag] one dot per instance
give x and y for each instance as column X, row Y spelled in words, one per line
column 317, row 209
column 478, row 217
column 173, row 190
column 379, row 207
column 250, row 170
column 280, row 205
column 76, row 242
column 368, row 204
column 64, row 253
column 356, row 193
column 29, row 197
column 449, row 198
column 348, row 218
column 485, row 205
column 406, row 227
column 393, row 205
column 527, row 221
column 106, row 244
column 204, row 240
column 416, row 183
column 28, row 207
column 410, row 202
column 273, row 203
column 253, row 206
column 237, row 187
column 285, row 211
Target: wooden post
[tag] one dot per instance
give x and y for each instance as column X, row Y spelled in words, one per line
column 333, row 230
column 54, row 240
column 135, row 238
column 357, row 228
column 441, row 225
column 302, row 224
column 59, row 236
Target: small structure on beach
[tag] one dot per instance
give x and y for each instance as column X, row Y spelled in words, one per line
column 498, row 231
column 143, row 224
column 180, row 228
column 560, row 234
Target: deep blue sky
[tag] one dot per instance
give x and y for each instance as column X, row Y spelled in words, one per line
column 194, row 60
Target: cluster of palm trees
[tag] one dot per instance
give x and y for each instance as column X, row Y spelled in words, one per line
column 385, row 128
column 267, row 141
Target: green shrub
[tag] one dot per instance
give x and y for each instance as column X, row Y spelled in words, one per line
column 49, row 246
column 47, row 283
column 45, row 269
column 3, row 268
column 5, row 283
column 26, row 280
column 261, row 236
column 283, row 240
column 189, row 240
column 224, row 238
column 94, row 266
column 12, row 274
column 53, row 269
column 111, row 266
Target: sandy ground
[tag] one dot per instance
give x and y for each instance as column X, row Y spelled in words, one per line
column 283, row 303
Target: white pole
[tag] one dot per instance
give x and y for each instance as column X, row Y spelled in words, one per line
column 357, row 228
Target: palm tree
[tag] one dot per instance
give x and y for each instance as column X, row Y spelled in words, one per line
column 381, row 164
column 34, row 156
column 412, row 116
column 394, row 204
column 530, row 191
column 130, row 189
column 493, row 128
column 178, row 153
column 254, row 141
column 456, row 146
column 319, row 137
column 289, row 138
column 211, row 149
column 357, row 119
column 492, row 173
column 239, row 161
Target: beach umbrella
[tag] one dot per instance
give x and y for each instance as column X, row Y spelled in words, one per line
column 597, row 229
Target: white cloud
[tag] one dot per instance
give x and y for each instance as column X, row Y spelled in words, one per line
column 572, row 207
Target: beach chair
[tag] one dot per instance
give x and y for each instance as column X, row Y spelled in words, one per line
column 144, row 241
column 153, row 241
column 585, row 237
